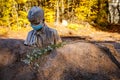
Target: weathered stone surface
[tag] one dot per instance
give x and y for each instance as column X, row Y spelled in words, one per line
column 74, row 61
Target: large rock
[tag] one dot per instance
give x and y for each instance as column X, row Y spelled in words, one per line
column 74, row 61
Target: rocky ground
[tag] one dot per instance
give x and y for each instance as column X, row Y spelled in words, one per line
column 88, row 55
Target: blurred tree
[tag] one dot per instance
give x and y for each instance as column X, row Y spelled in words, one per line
column 14, row 12
column 102, row 14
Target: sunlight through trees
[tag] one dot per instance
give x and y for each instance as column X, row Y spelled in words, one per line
column 102, row 12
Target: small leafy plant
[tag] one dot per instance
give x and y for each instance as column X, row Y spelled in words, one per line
column 37, row 53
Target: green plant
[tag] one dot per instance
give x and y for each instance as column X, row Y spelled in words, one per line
column 37, row 53
column 73, row 26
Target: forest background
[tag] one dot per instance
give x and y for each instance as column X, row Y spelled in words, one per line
column 13, row 13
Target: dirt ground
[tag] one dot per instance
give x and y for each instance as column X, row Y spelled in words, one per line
column 90, row 55
column 89, row 32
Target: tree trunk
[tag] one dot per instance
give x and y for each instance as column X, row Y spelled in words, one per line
column 57, row 20
column 118, row 12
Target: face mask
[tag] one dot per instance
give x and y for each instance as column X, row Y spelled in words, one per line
column 37, row 27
